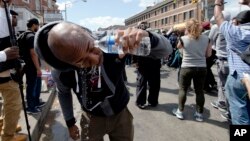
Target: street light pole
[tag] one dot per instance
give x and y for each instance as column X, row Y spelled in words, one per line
column 65, row 7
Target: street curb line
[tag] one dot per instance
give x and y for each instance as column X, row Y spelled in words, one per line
column 38, row 129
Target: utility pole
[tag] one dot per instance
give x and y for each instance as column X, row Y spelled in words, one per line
column 42, row 11
column 65, row 8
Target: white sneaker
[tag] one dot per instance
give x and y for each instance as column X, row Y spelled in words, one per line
column 198, row 116
column 178, row 113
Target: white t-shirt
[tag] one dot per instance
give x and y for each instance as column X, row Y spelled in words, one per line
column 4, row 30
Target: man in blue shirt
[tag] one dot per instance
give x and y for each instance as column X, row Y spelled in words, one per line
column 237, row 38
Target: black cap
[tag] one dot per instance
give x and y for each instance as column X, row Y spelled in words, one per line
column 243, row 17
column 14, row 13
column 32, row 21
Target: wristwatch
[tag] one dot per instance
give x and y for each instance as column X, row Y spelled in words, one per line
column 217, row 4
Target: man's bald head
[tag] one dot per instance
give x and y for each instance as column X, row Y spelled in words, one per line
column 70, row 43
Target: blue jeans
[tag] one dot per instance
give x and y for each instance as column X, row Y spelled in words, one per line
column 239, row 104
column 33, row 89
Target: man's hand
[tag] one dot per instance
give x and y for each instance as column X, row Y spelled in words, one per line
column 39, row 73
column 11, row 53
column 246, row 82
column 74, row 132
column 245, row 2
column 219, row 6
column 131, row 38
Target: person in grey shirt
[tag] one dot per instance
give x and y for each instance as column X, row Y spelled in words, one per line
column 219, row 42
column 196, row 48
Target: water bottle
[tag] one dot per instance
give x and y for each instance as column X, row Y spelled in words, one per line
column 107, row 44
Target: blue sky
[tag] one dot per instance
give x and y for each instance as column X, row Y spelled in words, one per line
column 103, row 13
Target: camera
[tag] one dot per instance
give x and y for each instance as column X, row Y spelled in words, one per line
column 15, row 66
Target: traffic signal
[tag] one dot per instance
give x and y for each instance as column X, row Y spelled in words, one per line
column 194, row 1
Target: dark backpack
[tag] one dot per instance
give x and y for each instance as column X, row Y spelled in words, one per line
column 21, row 41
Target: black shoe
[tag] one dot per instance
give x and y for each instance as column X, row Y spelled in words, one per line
column 32, row 111
column 41, row 104
column 141, row 106
column 152, row 105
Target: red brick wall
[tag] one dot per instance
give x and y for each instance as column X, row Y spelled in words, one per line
column 31, row 4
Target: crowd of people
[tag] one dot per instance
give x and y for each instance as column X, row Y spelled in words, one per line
column 98, row 79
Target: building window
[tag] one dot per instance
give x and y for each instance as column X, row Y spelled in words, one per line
column 149, row 25
column 191, row 14
column 162, row 9
column 162, row 21
column 166, row 20
column 155, row 12
column 155, row 23
column 170, row 19
column 174, row 5
column 185, row 2
column 27, row 1
column 185, row 16
column 166, row 8
column 175, row 18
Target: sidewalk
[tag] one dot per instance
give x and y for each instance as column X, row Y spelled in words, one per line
column 36, row 122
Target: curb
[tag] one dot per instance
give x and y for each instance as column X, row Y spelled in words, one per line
column 37, row 122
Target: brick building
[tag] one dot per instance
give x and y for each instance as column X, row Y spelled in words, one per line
column 168, row 13
column 44, row 10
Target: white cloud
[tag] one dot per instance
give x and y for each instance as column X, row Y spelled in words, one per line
column 145, row 3
column 96, row 22
column 68, row 4
column 127, row 1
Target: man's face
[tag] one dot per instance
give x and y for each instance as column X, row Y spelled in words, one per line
column 94, row 57
column 72, row 44
column 14, row 21
column 235, row 22
column 36, row 27
column 91, row 55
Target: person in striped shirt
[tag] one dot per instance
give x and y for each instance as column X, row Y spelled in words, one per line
column 238, row 39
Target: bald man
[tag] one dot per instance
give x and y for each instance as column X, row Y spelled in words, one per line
column 95, row 77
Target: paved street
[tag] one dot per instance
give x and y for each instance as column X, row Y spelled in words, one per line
column 155, row 124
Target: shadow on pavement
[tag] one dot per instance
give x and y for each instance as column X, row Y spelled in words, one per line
column 189, row 113
column 49, row 134
column 175, row 91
